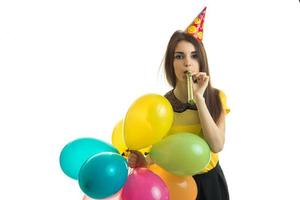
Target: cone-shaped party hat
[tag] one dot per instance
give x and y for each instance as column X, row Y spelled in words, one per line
column 196, row 27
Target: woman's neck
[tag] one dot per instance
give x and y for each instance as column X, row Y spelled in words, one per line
column 180, row 91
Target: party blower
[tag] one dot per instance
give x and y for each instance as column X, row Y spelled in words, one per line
column 189, row 81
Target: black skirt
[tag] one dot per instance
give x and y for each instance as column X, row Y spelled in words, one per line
column 212, row 185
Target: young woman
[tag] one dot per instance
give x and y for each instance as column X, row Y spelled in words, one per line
column 206, row 117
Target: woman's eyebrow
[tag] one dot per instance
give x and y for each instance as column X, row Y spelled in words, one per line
column 180, row 52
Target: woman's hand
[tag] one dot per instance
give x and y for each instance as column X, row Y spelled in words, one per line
column 200, row 84
column 136, row 159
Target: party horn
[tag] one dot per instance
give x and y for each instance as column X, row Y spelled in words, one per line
column 189, row 87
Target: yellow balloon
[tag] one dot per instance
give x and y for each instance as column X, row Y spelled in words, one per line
column 118, row 141
column 180, row 187
column 117, row 138
column 147, row 121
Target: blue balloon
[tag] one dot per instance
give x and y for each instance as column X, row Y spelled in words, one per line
column 103, row 175
column 75, row 153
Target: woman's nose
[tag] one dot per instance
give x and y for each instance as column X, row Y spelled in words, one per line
column 187, row 63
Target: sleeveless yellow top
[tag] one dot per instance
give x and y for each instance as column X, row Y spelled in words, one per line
column 186, row 119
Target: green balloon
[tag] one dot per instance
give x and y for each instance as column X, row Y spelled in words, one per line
column 183, row 154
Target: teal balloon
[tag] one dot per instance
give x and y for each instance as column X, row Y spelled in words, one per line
column 75, row 153
column 183, row 154
column 103, row 175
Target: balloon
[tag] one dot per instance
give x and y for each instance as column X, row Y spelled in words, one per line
column 147, row 121
column 183, row 154
column 118, row 141
column 143, row 184
column 114, row 197
column 103, row 175
column 75, row 153
column 180, row 187
column 117, row 138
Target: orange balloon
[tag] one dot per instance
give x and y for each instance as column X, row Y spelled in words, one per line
column 180, row 187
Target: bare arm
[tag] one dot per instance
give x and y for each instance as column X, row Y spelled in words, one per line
column 214, row 133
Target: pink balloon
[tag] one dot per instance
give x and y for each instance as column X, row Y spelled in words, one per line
column 114, row 197
column 142, row 184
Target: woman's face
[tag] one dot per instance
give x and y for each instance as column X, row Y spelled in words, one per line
column 185, row 59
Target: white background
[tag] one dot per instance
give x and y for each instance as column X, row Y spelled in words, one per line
column 71, row 69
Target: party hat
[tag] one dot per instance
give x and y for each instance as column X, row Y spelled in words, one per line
column 196, row 27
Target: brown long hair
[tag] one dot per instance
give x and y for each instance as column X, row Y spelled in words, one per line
column 211, row 94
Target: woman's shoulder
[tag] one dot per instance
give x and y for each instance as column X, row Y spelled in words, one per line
column 223, row 99
column 221, row 95
column 219, row 92
column 169, row 94
column 172, row 99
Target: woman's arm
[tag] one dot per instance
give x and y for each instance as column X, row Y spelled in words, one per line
column 213, row 133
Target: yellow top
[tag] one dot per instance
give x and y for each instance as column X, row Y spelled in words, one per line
column 188, row 121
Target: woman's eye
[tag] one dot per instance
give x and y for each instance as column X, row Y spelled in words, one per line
column 179, row 56
column 195, row 56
